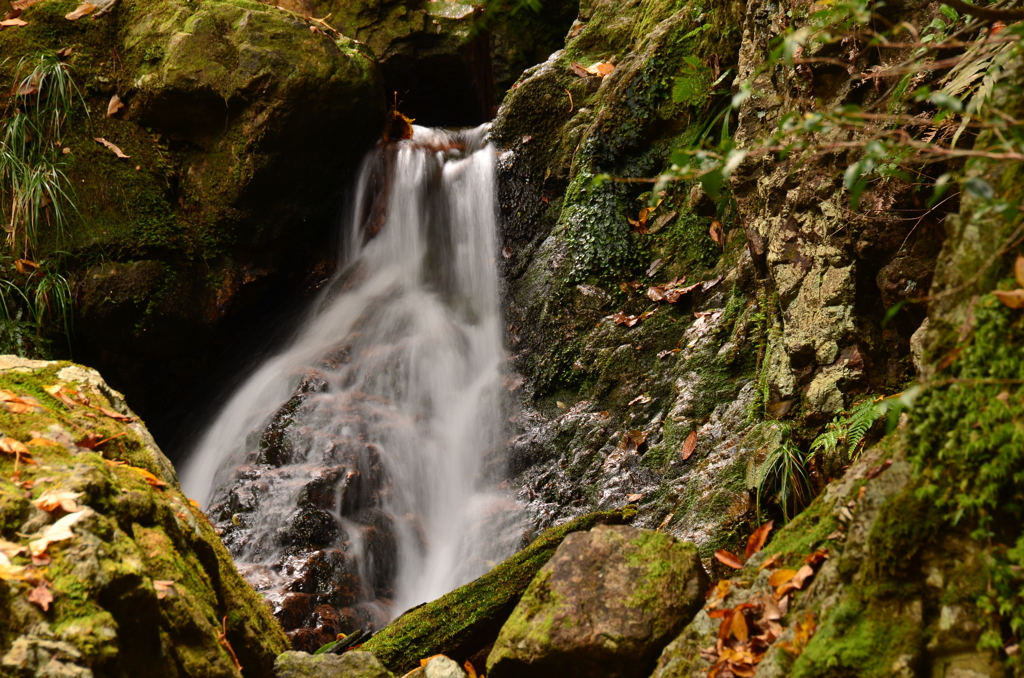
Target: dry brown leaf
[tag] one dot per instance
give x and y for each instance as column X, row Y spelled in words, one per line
column 52, row 500
column 739, row 629
column 80, row 11
column 469, row 669
column 21, row 5
column 1018, row 270
column 727, row 558
column 16, row 404
column 756, row 540
column 41, row 596
column 114, row 106
column 26, row 266
column 634, row 497
column 717, row 233
column 769, row 562
column 115, row 415
column 59, row 531
column 689, row 446
column 12, row 446
column 12, row 23
column 62, row 394
column 65, row 52
column 1012, row 298
column 91, row 441
column 579, row 70
column 802, row 575
column 148, row 477
column 117, row 151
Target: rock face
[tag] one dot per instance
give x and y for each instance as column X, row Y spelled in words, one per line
column 604, row 605
column 351, row 664
column 243, row 127
column 138, row 583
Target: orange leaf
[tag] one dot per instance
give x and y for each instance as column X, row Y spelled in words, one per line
column 769, row 562
column 738, row 627
column 756, row 540
column 43, row 442
column 114, row 106
column 729, row 559
column 1013, row 298
column 780, row 577
column 717, row 233
column 1018, row 270
column 163, row 587
column 115, row 415
column 470, row 671
column 689, row 446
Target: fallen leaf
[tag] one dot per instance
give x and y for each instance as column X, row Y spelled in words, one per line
column 9, row 549
column 689, row 445
column 43, row 442
column 780, row 577
column 720, row 591
column 560, row 404
column 601, row 69
column 739, row 629
column 148, row 477
column 756, row 540
column 877, row 470
column 728, row 558
column 816, row 558
column 63, row 52
column 634, row 497
column 655, row 267
column 62, row 394
column 163, row 587
column 59, row 531
column 25, row 266
column 41, row 596
column 11, row 23
column 470, row 670
column 80, row 11
column 91, row 441
column 513, row 382
column 579, row 70
column 667, row 353
column 1013, row 298
column 114, row 106
column 52, row 500
column 100, row 140
column 661, row 222
column 21, row 5
column 641, row 399
column 717, row 233
column 115, row 415
column 802, row 575
column 12, row 446
column 1018, row 270
column 16, row 404
column 769, row 562
column 10, row 572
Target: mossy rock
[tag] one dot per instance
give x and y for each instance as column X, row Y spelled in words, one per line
column 144, row 586
column 606, row 604
column 467, row 620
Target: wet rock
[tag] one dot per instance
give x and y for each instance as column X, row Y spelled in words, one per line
column 606, row 604
column 438, row 667
column 351, row 664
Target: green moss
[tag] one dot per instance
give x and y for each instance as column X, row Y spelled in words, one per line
column 469, row 618
column 855, row 642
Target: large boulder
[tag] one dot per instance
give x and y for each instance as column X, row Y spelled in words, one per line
column 352, row 664
column 605, row 605
column 242, row 126
column 106, row 568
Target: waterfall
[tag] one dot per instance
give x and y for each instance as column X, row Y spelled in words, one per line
column 377, row 434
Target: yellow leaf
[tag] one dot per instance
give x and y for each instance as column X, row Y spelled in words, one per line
column 780, row 577
column 80, row 11
column 10, row 572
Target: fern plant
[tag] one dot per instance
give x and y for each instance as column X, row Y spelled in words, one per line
column 843, row 437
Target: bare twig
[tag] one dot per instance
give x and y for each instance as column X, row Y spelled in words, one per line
column 222, row 636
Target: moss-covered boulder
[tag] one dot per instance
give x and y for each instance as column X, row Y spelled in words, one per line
column 605, row 604
column 352, row 664
column 106, row 568
column 466, row 621
column 241, row 126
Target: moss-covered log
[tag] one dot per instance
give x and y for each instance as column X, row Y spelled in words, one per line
column 468, row 619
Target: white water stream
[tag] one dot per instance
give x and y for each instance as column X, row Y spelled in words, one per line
column 416, row 309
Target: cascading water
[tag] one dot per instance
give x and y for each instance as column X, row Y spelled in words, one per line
column 364, row 451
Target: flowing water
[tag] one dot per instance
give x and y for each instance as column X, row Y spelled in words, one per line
column 404, row 351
